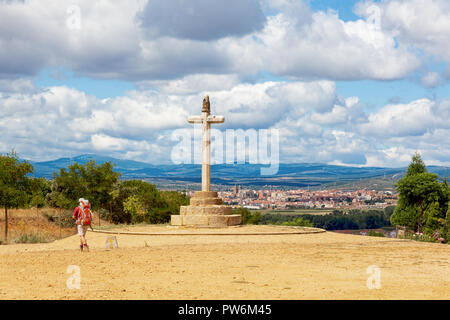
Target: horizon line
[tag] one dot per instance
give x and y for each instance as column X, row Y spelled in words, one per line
column 227, row 164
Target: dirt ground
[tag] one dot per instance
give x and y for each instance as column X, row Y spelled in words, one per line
column 291, row 266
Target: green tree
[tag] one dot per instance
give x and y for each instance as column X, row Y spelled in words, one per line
column 14, row 183
column 90, row 181
column 39, row 190
column 416, row 166
column 157, row 205
column 423, row 200
column 100, row 181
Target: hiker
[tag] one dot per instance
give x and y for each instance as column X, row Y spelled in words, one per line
column 83, row 216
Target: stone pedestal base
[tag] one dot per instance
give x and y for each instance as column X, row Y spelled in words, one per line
column 206, row 209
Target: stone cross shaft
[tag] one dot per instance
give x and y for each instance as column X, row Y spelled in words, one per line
column 206, row 119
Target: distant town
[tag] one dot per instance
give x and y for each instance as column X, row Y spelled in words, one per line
column 278, row 199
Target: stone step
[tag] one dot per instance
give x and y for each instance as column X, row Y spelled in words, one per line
column 206, row 220
column 206, row 201
column 205, row 210
column 206, row 194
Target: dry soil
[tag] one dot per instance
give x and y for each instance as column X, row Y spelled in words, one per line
column 291, row 266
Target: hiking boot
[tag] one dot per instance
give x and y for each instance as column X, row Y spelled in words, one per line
column 87, row 247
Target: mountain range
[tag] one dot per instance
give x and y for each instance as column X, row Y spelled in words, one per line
column 293, row 174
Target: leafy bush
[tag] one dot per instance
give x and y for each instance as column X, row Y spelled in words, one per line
column 137, row 201
column 374, row 233
column 104, row 214
column 299, row 222
column 247, row 216
column 134, row 207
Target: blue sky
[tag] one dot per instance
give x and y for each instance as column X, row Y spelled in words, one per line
column 101, row 88
column 345, row 82
column 343, row 7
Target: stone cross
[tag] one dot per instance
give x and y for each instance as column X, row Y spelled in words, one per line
column 206, row 119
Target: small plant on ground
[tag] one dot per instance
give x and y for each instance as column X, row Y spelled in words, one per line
column 373, row 233
column 30, row 238
column 64, row 218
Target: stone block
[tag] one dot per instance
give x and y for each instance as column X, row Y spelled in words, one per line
column 205, row 201
column 193, row 220
column 176, row 220
column 218, row 221
column 234, row 220
column 206, row 194
column 206, row 210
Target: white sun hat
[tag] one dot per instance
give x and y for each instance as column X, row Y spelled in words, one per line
column 85, row 201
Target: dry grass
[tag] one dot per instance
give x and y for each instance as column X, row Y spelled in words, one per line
column 34, row 223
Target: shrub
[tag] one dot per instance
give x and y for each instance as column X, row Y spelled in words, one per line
column 247, row 216
column 374, row 233
column 139, row 201
column 299, row 222
column 30, row 238
column 337, row 220
column 63, row 219
column 104, row 214
column 134, row 207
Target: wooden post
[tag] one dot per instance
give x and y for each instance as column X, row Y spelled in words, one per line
column 6, row 224
column 60, row 223
column 37, row 220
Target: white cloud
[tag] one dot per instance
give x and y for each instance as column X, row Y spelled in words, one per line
column 192, row 84
column 422, row 25
column 16, row 85
column 431, row 80
column 314, row 125
column 333, row 49
column 413, row 119
column 200, row 19
column 111, row 43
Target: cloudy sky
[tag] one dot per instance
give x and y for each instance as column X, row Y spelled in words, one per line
column 363, row 83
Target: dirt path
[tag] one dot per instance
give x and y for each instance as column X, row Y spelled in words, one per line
column 310, row 266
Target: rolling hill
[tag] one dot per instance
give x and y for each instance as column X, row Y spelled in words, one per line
column 289, row 175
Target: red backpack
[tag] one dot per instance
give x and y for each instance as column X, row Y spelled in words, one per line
column 86, row 216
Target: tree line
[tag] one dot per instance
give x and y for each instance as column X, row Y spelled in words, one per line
column 130, row 201
column 337, row 220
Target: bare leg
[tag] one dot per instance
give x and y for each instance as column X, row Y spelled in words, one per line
column 85, row 242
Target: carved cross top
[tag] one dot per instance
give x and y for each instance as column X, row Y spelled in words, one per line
column 206, row 114
column 208, row 118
